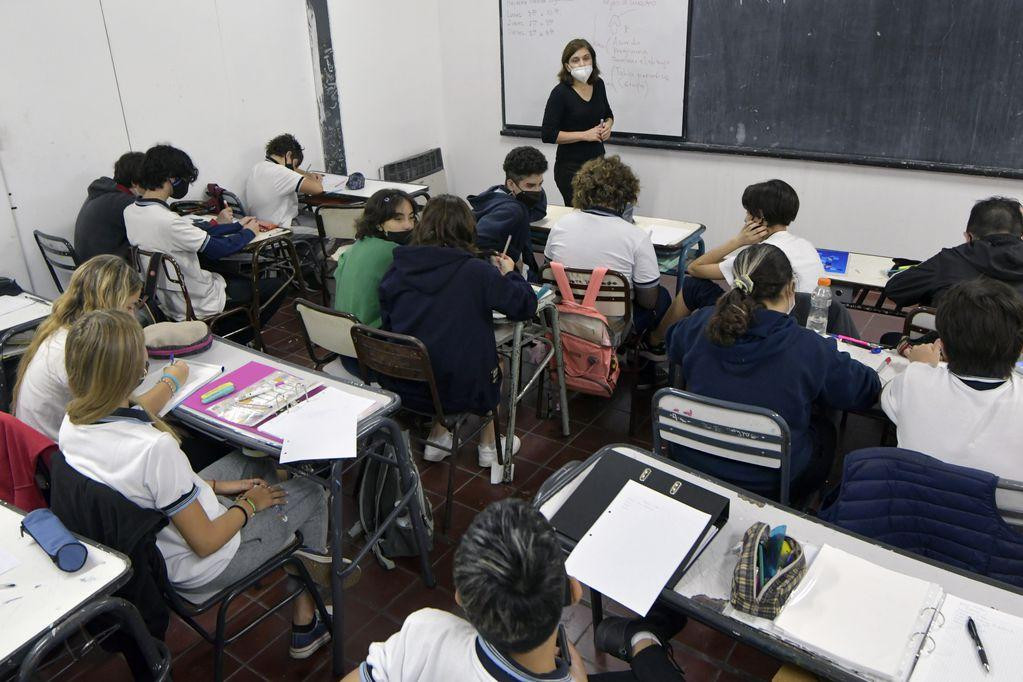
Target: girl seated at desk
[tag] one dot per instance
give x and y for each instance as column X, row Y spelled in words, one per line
column 221, row 522
column 440, row 292
column 41, row 393
column 748, row 349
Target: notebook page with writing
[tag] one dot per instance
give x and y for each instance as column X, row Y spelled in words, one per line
column 860, row 614
column 951, row 656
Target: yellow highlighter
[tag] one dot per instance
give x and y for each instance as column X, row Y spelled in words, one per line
column 217, row 393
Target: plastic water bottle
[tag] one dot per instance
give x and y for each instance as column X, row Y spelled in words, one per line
column 817, row 321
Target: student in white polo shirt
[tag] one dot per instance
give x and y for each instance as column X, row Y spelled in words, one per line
column 224, row 521
column 511, row 583
column 273, row 186
column 771, row 207
column 152, row 226
column 969, row 411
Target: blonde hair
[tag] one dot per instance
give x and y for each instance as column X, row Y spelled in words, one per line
column 105, row 356
column 99, row 283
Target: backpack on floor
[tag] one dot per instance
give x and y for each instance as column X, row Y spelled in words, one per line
column 378, row 492
column 591, row 361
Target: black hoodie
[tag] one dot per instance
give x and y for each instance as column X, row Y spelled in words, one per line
column 100, row 225
column 999, row 256
column 445, row 297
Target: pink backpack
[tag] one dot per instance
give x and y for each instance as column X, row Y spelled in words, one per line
column 591, row 363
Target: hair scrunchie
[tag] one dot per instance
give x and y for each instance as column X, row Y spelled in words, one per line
column 743, row 283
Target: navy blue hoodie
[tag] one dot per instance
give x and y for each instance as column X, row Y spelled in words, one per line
column 778, row 365
column 445, row 297
column 500, row 215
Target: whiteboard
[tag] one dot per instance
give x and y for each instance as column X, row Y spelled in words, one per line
column 640, row 46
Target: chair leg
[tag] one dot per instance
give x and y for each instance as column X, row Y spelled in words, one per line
column 218, row 641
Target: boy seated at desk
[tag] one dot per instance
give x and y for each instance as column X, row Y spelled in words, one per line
column 99, row 228
column 993, row 248
column 598, row 235
column 504, row 212
column 748, row 349
column 152, row 226
column 511, row 583
column 273, row 186
column 969, row 411
column 771, row 207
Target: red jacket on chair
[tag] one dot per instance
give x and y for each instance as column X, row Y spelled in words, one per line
column 22, row 447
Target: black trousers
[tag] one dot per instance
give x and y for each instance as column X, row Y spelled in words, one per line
column 564, row 171
column 650, row 665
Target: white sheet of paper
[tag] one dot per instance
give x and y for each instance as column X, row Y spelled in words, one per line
column 15, row 310
column 199, row 374
column 634, row 547
column 7, row 561
column 8, row 304
column 323, row 427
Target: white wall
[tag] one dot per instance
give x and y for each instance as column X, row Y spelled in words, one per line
column 885, row 211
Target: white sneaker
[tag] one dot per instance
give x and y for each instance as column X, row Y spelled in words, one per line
column 488, row 453
column 432, row 453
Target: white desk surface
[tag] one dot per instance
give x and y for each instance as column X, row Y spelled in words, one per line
column 34, row 308
column 664, row 233
column 863, row 270
column 335, row 185
column 232, row 356
column 45, row 595
column 709, row 579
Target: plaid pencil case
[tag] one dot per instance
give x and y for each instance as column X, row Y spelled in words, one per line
column 753, row 591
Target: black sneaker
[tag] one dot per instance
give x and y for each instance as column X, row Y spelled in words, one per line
column 651, row 377
column 614, row 635
column 305, row 644
column 654, row 352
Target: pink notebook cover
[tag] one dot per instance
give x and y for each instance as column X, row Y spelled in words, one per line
column 242, row 378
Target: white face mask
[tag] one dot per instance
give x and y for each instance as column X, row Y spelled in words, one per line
column 582, row 73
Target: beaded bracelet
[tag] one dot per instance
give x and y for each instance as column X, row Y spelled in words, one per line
column 249, row 502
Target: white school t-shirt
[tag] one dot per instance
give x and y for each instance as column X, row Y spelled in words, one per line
column 152, row 226
column 805, row 261
column 436, row 646
column 939, row 415
column 44, row 393
column 271, row 193
column 589, row 240
column 127, row 453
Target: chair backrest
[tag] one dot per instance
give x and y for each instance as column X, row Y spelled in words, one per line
column 1009, row 500
column 397, row 356
column 732, row 431
column 58, row 253
column 149, row 268
column 338, row 222
column 614, row 299
column 919, row 321
column 327, row 328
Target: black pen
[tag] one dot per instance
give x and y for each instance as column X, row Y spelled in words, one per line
column 971, row 627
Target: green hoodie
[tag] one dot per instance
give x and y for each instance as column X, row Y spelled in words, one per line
column 358, row 275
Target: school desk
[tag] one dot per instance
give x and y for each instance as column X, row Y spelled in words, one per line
column 334, row 186
column 21, row 313
column 704, row 590
column 44, row 596
column 374, row 424
column 862, row 275
column 676, row 242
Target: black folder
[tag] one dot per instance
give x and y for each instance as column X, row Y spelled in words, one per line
column 607, row 478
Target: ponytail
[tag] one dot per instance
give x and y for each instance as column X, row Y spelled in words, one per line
column 733, row 317
column 761, row 273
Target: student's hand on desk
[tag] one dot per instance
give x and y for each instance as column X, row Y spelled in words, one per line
column 179, row 370
column 236, row 487
column 503, row 263
column 924, row 352
column 264, row 496
column 226, row 216
column 752, row 232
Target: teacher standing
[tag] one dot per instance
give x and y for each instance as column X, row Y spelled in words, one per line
column 577, row 117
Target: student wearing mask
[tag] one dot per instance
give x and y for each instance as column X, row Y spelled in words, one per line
column 385, row 223
column 100, row 225
column 222, row 519
column 577, row 117
column 748, row 349
column 504, row 212
column 273, row 186
column 440, row 292
column 967, row 410
column 151, row 225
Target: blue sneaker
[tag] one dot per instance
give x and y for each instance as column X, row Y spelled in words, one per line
column 305, row 644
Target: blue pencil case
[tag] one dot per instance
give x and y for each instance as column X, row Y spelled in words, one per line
column 57, row 541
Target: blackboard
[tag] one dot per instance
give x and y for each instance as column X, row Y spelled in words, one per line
column 925, row 81
column 929, row 84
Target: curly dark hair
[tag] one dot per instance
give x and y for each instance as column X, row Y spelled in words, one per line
column 524, row 161
column 571, row 48
column 164, row 162
column 762, row 272
column 605, row 182
column 282, row 144
column 380, row 208
column 447, row 221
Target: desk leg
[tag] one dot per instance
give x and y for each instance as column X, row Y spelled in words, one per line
column 562, row 390
column 336, row 566
column 515, row 372
column 596, row 611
